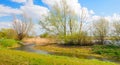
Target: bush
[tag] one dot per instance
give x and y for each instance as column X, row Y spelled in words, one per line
column 8, row 42
column 8, row 33
column 76, row 39
column 47, row 35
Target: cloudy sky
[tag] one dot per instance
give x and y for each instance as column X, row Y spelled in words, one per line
column 37, row 8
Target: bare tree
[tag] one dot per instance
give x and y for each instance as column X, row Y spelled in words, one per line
column 82, row 18
column 22, row 27
column 101, row 29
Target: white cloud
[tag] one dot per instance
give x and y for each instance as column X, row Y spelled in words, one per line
column 34, row 11
column 113, row 18
column 36, row 30
column 5, row 25
column 73, row 5
column 29, row 8
column 7, row 11
column 19, row 1
column 37, row 11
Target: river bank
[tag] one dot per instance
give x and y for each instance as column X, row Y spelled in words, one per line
column 84, row 52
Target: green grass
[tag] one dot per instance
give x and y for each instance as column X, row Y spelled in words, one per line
column 110, row 51
column 8, row 43
column 10, row 57
column 72, row 51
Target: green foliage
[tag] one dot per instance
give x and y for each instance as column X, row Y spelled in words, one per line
column 8, row 42
column 79, row 52
column 76, row 39
column 46, row 35
column 110, row 51
column 10, row 57
column 8, row 33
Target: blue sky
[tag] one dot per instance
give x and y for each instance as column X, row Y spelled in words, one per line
column 100, row 7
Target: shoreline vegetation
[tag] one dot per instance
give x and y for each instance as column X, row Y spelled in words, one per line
column 85, row 52
column 97, row 51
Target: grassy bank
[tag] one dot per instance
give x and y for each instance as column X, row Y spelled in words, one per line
column 73, row 51
column 10, row 57
column 8, row 43
column 109, row 51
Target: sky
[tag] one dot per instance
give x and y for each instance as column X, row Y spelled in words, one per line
column 100, row 7
column 37, row 8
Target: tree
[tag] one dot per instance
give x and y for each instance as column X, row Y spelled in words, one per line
column 100, row 30
column 116, row 30
column 22, row 27
column 64, row 22
column 57, row 20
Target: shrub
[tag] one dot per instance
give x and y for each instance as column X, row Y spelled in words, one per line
column 8, row 33
column 76, row 39
column 8, row 42
column 47, row 35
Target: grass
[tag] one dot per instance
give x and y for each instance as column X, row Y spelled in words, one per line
column 10, row 57
column 110, row 51
column 73, row 51
column 7, row 43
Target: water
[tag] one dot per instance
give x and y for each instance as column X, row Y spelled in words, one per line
column 29, row 48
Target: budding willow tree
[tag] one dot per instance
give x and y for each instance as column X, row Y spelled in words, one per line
column 22, row 27
column 101, row 29
column 57, row 20
column 116, row 30
column 62, row 20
